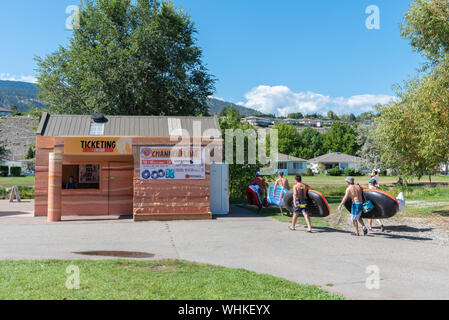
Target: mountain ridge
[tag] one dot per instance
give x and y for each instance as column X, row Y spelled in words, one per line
column 23, row 94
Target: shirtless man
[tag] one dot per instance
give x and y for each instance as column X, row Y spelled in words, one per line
column 281, row 182
column 355, row 192
column 300, row 203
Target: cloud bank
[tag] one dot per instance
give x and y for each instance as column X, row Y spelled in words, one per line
column 281, row 100
column 24, row 78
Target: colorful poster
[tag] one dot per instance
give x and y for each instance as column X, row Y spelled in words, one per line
column 89, row 173
column 178, row 163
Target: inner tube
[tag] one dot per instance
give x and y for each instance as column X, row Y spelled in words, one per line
column 317, row 205
column 385, row 205
column 253, row 197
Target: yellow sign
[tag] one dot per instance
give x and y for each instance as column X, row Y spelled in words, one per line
column 98, row 146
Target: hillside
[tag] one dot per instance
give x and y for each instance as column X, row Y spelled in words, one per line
column 23, row 94
column 20, row 94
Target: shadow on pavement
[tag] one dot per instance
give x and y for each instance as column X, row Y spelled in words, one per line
column 13, row 213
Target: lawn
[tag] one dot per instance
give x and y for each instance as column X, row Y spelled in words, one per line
column 149, row 280
column 16, row 181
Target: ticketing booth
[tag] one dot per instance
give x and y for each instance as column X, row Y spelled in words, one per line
column 154, row 168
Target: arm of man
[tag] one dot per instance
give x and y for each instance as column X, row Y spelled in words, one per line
column 345, row 198
column 294, row 196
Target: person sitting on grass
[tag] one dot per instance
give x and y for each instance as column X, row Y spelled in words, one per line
column 300, row 203
column 281, row 182
column 355, row 192
column 372, row 184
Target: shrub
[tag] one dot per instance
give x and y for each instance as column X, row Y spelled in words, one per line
column 16, row 171
column 2, row 193
column 4, row 171
column 335, row 172
column 26, row 192
column 308, row 173
column 351, row 172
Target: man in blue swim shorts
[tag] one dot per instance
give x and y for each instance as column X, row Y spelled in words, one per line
column 355, row 192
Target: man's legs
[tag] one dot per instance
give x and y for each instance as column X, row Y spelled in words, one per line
column 365, row 230
column 356, row 226
column 294, row 220
column 306, row 216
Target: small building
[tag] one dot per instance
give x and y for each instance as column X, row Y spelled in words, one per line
column 5, row 112
column 154, row 168
column 259, row 121
column 291, row 165
column 332, row 160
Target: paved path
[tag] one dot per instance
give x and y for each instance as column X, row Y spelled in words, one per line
column 409, row 269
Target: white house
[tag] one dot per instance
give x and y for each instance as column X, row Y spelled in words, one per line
column 291, row 165
column 332, row 160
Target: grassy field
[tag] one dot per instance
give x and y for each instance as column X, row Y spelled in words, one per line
column 16, row 181
column 150, row 280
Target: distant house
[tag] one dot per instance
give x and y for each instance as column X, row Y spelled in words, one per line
column 5, row 112
column 332, row 160
column 258, row 121
column 291, row 165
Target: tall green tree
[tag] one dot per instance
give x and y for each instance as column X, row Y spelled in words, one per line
column 127, row 58
column 340, row 138
column 311, row 144
column 413, row 133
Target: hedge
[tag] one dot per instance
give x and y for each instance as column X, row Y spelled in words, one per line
column 335, row 172
column 4, row 171
column 16, row 171
column 25, row 192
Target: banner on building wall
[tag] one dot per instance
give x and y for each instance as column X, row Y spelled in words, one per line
column 178, row 163
column 85, row 146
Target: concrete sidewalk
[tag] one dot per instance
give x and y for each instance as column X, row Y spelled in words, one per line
column 331, row 259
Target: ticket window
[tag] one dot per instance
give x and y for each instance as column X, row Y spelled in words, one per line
column 85, row 176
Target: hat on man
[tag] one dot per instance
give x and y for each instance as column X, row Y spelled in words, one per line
column 350, row 180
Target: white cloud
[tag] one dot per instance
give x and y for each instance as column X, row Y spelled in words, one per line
column 282, row 101
column 24, row 78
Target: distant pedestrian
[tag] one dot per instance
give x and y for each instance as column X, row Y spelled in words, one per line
column 373, row 185
column 281, row 182
column 300, row 191
column 355, row 192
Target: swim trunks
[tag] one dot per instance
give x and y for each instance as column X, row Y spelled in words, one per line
column 300, row 207
column 356, row 210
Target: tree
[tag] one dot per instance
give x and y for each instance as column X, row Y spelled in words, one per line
column 289, row 141
column 3, row 152
column 340, row 138
column 297, row 115
column 332, row 115
column 369, row 151
column 31, row 153
column 412, row 134
column 240, row 175
column 127, row 58
column 15, row 111
column 311, row 144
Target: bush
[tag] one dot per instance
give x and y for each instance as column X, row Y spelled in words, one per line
column 26, row 192
column 3, row 193
column 335, row 172
column 16, row 171
column 308, row 173
column 351, row 172
column 4, row 171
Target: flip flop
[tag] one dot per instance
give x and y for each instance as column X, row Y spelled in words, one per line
column 291, row 229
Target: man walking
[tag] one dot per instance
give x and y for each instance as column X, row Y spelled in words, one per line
column 300, row 203
column 355, row 192
column 281, row 182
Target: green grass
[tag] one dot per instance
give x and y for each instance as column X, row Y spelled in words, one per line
column 150, row 280
column 16, row 181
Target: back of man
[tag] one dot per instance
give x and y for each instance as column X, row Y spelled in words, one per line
column 355, row 192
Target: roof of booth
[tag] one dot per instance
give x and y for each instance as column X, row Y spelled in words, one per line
column 123, row 126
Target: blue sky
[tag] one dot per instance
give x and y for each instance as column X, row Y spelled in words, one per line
column 275, row 56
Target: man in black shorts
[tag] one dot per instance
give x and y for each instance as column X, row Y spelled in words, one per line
column 300, row 203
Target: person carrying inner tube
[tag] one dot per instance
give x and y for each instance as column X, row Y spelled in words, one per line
column 372, row 184
column 355, row 192
column 300, row 203
column 258, row 180
column 281, row 182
